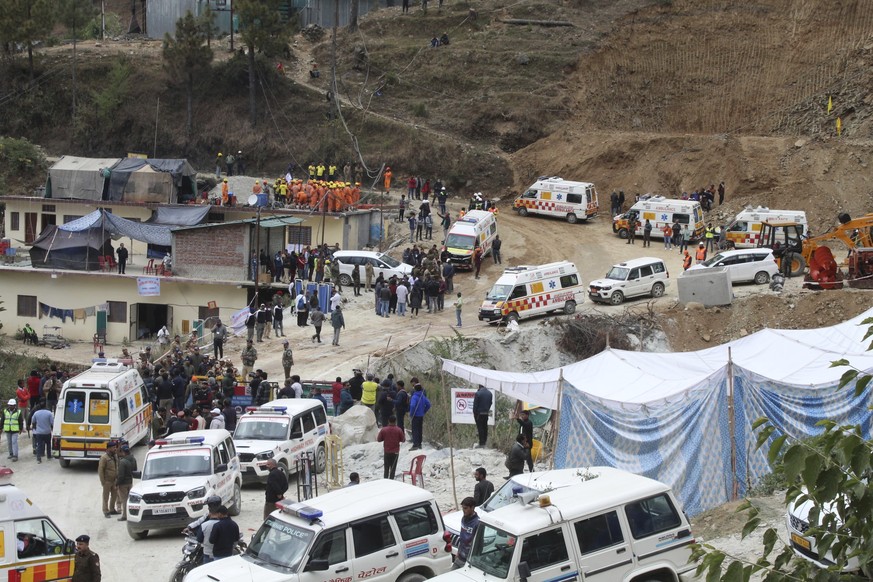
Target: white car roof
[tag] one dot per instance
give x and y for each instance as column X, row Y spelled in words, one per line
column 611, row 488
column 639, row 262
column 361, row 501
column 368, row 254
column 211, row 437
column 735, row 252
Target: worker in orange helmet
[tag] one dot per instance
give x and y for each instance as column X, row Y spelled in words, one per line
column 256, row 189
column 388, row 176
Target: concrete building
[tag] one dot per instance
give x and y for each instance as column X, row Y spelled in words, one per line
column 210, row 275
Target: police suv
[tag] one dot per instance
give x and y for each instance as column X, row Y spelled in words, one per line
column 281, row 430
column 613, row 527
column 180, row 472
column 382, row 531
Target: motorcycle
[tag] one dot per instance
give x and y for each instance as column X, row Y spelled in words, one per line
column 192, row 555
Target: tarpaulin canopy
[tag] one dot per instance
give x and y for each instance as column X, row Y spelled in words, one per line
column 81, row 178
column 158, row 234
column 667, row 415
column 57, row 249
column 152, row 180
column 180, row 215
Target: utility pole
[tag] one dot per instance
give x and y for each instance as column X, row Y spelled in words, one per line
column 102, row 19
column 231, row 25
column 257, row 255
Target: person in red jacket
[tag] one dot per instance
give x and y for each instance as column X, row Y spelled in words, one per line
column 33, row 387
column 391, row 436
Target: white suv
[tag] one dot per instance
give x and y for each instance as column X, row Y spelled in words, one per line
column 613, row 527
column 383, row 530
column 180, row 472
column 756, row 265
column 280, row 430
column 645, row 276
column 382, row 263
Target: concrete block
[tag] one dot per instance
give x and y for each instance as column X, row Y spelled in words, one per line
column 707, row 286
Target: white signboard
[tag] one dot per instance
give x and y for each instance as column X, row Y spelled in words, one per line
column 148, row 286
column 462, row 406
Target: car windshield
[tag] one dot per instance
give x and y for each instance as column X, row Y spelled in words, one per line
column 498, row 293
column 390, row 261
column 713, row 260
column 460, row 241
column 492, row 551
column 505, row 496
column 280, row 544
column 177, row 464
column 618, row 273
column 275, row 429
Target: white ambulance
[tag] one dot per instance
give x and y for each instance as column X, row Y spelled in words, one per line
column 745, row 230
column 381, row 531
column 280, row 430
column 660, row 211
column 573, row 201
column 613, row 527
column 529, row 290
column 476, row 228
column 107, row 402
column 32, row 547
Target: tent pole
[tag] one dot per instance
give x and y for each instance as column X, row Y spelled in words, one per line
column 557, row 417
column 52, row 244
column 735, row 489
column 451, row 440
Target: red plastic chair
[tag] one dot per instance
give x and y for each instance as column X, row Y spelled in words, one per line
column 414, row 471
column 101, row 260
column 149, row 269
column 110, row 260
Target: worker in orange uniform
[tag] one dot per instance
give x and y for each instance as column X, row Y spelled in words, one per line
column 686, row 262
column 388, row 176
column 224, row 192
column 701, row 253
column 256, row 189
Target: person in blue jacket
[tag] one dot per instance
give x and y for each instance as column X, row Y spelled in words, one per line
column 418, row 407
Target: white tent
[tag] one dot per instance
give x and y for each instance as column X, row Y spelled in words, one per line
column 685, row 418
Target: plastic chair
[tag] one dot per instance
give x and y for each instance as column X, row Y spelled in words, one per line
column 110, row 260
column 101, row 260
column 149, row 269
column 414, row 471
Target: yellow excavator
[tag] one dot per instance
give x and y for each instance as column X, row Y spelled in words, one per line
column 794, row 252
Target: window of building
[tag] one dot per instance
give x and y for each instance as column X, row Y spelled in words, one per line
column 71, row 218
column 48, row 208
column 215, row 217
column 14, row 221
column 299, row 235
column 117, row 312
column 27, row 306
column 205, row 313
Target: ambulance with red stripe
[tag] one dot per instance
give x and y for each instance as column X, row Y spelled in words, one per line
column 572, row 201
column 529, row 290
column 107, row 402
column 379, row 531
column 32, row 548
column 745, row 230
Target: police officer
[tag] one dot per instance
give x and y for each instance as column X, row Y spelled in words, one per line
column 87, row 563
column 287, row 359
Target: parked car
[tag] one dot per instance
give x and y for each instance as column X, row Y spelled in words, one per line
column 382, row 263
column 645, row 276
column 756, row 265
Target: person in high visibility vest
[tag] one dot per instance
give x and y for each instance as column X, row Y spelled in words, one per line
column 710, row 237
column 13, row 425
column 701, row 253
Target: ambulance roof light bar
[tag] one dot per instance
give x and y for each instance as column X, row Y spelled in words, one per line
column 300, row 510
column 194, row 440
column 268, row 409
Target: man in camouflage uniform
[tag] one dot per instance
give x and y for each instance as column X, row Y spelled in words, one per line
column 287, row 359
column 249, row 357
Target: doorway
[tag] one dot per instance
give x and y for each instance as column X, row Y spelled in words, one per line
column 146, row 319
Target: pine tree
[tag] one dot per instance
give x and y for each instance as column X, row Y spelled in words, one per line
column 74, row 14
column 186, row 55
column 262, row 30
